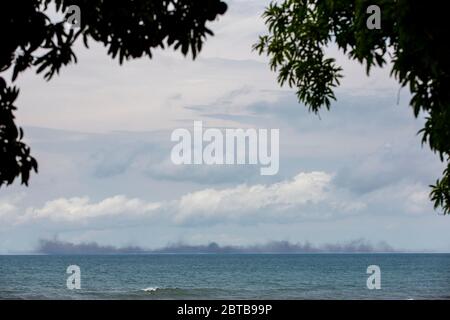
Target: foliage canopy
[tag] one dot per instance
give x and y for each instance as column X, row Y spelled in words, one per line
column 414, row 38
column 129, row 30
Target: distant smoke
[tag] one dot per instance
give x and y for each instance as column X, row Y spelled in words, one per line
column 62, row 247
column 355, row 246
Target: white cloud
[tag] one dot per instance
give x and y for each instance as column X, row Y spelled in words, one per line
column 306, row 196
column 302, row 189
column 6, row 208
column 9, row 206
column 81, row 209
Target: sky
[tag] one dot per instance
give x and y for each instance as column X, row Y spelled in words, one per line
column 101, row 134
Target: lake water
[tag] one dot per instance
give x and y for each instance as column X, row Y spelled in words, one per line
column 227, row 276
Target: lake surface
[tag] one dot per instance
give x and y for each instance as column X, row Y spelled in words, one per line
column 227, row 276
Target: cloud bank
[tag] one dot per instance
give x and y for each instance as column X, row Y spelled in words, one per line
column 308, row 195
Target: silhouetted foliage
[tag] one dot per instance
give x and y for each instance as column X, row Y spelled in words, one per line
column 129, row 29
column 414, row 36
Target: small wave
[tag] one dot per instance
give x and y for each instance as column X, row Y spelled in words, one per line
column 150, row 289
column 163, row 290
column 181, row 293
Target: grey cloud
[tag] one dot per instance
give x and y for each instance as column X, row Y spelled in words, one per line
column 103, row 156
column 281, row 107
column 280, row 247
column 61, row 247
column 389, row 165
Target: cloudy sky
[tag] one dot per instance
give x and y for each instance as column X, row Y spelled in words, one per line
column 101, row 133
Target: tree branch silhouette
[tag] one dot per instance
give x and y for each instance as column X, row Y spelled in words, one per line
column 413, row 37
column 129, row 30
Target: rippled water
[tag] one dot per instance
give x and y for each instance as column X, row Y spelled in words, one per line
column 232, row 276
